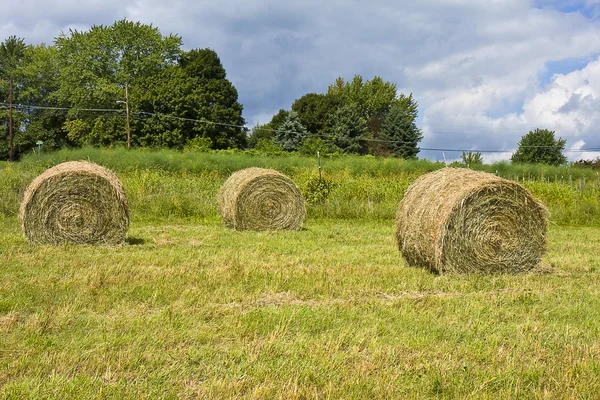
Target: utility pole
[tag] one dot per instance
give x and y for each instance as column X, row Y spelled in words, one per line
column 10, row 120
column 127, row 115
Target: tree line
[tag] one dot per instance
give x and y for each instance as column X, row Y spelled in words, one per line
column 57, row 91
column 75, row 92
column 359, row 117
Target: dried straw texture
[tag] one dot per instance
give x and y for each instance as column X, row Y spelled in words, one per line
column 261, row 199
column 459, row 220
column 75, row 202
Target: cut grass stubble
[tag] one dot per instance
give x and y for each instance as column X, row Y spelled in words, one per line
column 205, row 311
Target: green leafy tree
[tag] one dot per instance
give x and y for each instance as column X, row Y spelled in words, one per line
column 291, row 133
column 260, row 133
column 278, row 119
column 373, row 99
column 265, row 133
column 348, row 130
column 39, row 76
column 470, row 158
column 12, row 53
column 315, row 110
column 216, row 100
column 401, row 133
column 97, row 65
column 188, row 101
column 540, row 146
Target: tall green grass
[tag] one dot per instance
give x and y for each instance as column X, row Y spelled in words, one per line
column 168, row 184
column 227, row 161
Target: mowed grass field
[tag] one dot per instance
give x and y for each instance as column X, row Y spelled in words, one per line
column 190, row 309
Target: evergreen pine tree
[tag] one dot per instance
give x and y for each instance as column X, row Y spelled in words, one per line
column 291, row 133
column 348, row 130
column 401, row 132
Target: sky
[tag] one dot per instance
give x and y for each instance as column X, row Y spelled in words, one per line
column 483, row 72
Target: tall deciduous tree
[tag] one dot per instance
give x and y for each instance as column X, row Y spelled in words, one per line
column 39, row 75
column 216, row 100
column 188, row 101
column 278, row 119
column 96, row 66
column 12, row 52
column 540, row 146
column 315, row 111
column 373, row 99
column 266, row 132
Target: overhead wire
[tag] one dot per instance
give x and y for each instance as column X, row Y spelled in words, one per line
column 246, row 128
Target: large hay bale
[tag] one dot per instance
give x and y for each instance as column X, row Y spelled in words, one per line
column 261, row 199
column 75, row 202
column 459, row 220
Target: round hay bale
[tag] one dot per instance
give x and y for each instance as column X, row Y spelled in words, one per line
column 261, row 199
column 75, row 202
column 459, row 220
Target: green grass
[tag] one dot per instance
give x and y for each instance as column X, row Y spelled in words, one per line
column 227, row 161
column 168, row 184
column 190, row 309
column 193, row 310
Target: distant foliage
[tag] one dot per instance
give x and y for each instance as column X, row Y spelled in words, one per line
column 291, row 133
column 312, row 145
column 202, row 144
column 401, row 132
column 195, row 90
column 540, row 147
column 278, row 119
column 174, row 96
column 348, row 130
column 96, row 65
column 470, row 158
column 12, row 57
column 267, row 146
column 594, row 164
column 315, row 111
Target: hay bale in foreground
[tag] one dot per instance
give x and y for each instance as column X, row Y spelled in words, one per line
column 261, row 199
column 75, row 202
column 459, row 220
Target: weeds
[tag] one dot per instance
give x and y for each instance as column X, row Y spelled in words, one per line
column 165, row 183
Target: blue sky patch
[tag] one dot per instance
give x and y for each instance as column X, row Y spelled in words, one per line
column 563, row 67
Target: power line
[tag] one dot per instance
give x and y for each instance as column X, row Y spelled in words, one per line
column 190, row 119
column 244, row 127
column 25, row 106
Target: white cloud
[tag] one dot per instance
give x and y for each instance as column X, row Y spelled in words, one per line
column 570, row 105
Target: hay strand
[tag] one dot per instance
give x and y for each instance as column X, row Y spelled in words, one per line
column 459, row 220
column 75, row 202
column 261, row 199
